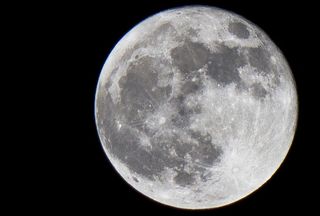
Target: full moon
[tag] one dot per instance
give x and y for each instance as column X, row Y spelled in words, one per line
column 196, row 107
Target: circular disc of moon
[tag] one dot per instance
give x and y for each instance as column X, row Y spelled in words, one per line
column 196, row 107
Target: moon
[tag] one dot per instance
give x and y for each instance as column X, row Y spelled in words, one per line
column 196, row 107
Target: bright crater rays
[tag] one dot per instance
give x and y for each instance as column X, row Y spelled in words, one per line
column 196, row 107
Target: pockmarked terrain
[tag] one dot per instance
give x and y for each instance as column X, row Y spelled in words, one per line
column 196, row 107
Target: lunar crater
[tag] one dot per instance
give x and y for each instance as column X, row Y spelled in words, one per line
column 239, row 29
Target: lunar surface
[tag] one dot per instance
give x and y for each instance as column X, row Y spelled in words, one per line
column 196, row 107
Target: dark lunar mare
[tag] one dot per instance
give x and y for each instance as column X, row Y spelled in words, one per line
column 136, row 94
column 223, row 65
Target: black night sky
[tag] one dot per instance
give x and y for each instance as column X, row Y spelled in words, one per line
column 67, row 171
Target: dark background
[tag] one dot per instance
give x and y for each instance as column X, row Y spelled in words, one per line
column 62, row 48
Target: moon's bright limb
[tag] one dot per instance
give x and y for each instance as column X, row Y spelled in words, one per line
column 196, row 107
